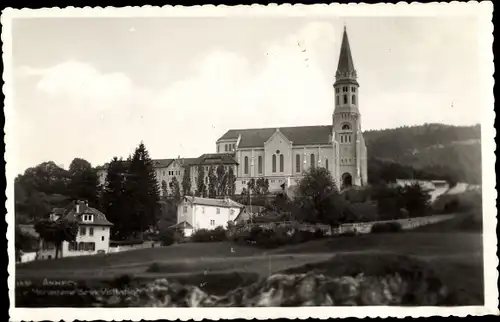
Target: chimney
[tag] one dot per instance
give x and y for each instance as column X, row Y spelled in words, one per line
column 77, row 208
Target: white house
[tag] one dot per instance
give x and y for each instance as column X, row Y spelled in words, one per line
column 195, row 213
column 93, row 232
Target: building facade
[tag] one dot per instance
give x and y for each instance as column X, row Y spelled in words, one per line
column 92, row 237
column 195, row 213
column 281, row 155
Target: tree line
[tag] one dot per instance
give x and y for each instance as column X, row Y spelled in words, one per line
column 429, row 151
column 130, row 196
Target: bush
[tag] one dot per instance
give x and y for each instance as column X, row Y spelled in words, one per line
column 168, row 237
column 205, row 235
column 459, row 203
column 275, row 237
column 128, row 242
column 389, row 227
column 349, row 233
column 154, row 268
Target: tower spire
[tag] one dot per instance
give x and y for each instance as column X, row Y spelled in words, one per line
column 345, row 68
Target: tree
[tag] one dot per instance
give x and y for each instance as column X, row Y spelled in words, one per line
column 24, row 242
column 318, row 200
column 231, row 182
column 251, row 187
column 186, row 182
column 212, row 183
column 416, row 200
column 38, row 190
column 57, row 232
column 176, row 190
column 221, row 180
column 144, row 189
column 83, row 182
column 115, row 200
column 389, row 201
column 164, row 188
column 262, row 186
column 393, row 201
column 200, row 184
column 46, row 177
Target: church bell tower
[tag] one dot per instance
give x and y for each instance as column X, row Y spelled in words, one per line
column 351, row 157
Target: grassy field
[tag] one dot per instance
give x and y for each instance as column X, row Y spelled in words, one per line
column 456, row 256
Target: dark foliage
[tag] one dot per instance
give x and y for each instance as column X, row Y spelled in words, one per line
column 57, row 231
column 170, row 236
column 318, row 200
column 276, row 236
column 205, row 235
column 388, row 227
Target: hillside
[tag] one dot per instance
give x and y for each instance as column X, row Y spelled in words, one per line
column 429, row 151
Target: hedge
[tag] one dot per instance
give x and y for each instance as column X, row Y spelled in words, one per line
column 205, row 235
column 388, row 227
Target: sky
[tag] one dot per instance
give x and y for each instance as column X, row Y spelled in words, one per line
column 94, row 88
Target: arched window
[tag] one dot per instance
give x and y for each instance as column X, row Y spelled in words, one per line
column 246, row 165
column 282, row 163
column 297, row 163
column 326, row 163
column 313, row 163
column 346, row 127
column 353, row 99
column 345, row 99
column 274, row 163
column 259, row 160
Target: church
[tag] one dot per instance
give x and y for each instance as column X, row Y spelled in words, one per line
column 281, row 155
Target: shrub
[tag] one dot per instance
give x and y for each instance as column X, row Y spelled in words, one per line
column 389, row 227
column 205, row 235
column 276, row 236
column 349, row 233
column 128, row 242
column 318, row 233
column 154, row 268
column 168, row 237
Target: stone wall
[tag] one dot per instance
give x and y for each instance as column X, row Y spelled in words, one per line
column 406, row 224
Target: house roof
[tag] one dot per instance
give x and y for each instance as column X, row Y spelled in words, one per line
column 215, row 158
column 58, row 211
column 299, row 135
column 70, row 213
column 182, row 224
column 159, row 163
column 222, row 203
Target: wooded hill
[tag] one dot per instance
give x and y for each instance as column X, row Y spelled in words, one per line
column 429, row 151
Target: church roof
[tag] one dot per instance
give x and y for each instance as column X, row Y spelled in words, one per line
column 161, row 163
column 346, row 64
column 299, row 135
column 215, row 158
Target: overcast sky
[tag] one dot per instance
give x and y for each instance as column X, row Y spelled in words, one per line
column 94, row 88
